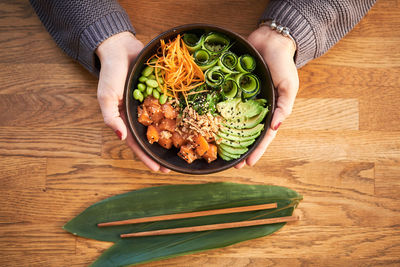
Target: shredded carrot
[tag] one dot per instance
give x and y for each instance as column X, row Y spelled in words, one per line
column 176, row 67
column 197, row 92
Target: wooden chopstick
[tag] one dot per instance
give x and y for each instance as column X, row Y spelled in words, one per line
column 212, row 227
column 190, row 214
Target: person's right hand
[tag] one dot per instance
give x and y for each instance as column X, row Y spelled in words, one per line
column 115, row 54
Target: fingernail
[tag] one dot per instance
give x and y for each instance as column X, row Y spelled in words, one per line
column 119, row 134
column 277, row 126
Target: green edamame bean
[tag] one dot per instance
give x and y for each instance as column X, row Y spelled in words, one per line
column 163, row 99
column 141, row 87
column 156, row 94
column 138, row 95
column 145, row 94
column 152, row 77
column 159, row 89
column 152, row 83
column 147, row 71
column 160, row 80
column 142, row 79
column 149, row 90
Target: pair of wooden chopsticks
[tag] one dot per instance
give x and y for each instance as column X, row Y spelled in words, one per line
column 202, row 227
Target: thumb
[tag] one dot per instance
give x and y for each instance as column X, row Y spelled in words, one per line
column 284, row 106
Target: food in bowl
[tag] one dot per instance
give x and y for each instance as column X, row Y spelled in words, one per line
column 201, row 98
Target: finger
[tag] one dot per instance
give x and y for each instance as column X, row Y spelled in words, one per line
column 259, row 151
column 164, row 170
column 134, row 146
column 151, row 164
column 287, row 90
column 282, row 111
column 240, row 164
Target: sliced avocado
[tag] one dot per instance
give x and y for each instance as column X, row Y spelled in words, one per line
column 246, row 123
column 237, row 144
column 249, row 108
column 242, row 132
column 233, row 150
column 237, row 138
column 234, row 109
column 241, row 127
column 223, row 155
column 226, row 154
column 261, row 101
column 227, row 108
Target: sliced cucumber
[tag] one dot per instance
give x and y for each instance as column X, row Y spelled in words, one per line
column 214, row 76
column 249, row 84
column 203, row 59
column 192, row 41
column 215, row 43
column 228, row 61
column 229, row 88
column 246, row 63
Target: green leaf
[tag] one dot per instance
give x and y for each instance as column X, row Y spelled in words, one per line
column 177, row 199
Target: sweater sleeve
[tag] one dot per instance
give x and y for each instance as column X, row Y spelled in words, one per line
column 79, row 26
column 316, row 25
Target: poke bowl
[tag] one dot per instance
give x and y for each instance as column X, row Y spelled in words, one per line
column 198, row 99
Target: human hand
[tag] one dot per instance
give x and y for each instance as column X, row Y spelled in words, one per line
column 278, row 52
column 115, row 54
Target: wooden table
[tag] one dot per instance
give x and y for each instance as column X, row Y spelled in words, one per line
column 340, row 148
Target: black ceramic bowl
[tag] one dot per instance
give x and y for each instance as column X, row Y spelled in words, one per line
column 169, row 157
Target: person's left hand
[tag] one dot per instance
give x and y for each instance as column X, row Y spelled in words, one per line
column 278, row 52
column 115, row 54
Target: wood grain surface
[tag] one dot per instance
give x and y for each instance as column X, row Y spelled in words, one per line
column 340, row 148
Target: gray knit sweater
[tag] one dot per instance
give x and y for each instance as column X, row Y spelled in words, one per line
column 79, row 26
